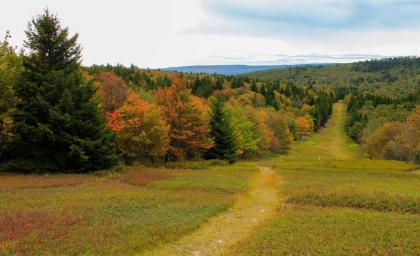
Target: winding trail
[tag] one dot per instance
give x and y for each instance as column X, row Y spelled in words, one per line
column 222, row 232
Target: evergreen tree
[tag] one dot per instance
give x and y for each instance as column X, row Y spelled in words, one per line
column 322, row 109
column 254, row 87
column 222, row 132
column 58, row 122
column 219, row 84
column 202, row 87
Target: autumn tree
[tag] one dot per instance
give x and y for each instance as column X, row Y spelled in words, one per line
column 262, row 132
column 304, row 126
column 10, row 69
column 142, row 134
column 382, row 142
column 282, row 135
column 112, row 91
column 247, row 142
column 58, row 121
column 410, row 138
column 187, row 118
column 396, row 140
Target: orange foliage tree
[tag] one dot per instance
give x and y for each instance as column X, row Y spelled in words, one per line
column 282, row 137
column 304, row 126
column 187, row 118
column 112, row 91
column 411, row 135
column 395, row 140
column 142, row 134
column 382, row 143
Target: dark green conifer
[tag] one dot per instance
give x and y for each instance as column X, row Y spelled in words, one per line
column 58, row 121
column 222, row 132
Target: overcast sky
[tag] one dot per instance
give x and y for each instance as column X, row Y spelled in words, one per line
column 162, row 33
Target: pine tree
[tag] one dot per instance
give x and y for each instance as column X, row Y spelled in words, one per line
column 219, row 84
column 202, row 87
column 222, row 132
column 58, row 121
column 254, row 87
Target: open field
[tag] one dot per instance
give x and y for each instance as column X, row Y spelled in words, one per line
column 340, row 204
column 111, row 214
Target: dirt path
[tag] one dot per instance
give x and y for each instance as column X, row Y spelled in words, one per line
column 225, row 230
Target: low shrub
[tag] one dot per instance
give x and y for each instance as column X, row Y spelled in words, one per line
column 199, row 164
column 376, row 201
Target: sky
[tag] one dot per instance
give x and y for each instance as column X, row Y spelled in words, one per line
column 165, row 33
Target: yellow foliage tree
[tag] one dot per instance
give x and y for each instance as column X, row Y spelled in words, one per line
column 304, row 126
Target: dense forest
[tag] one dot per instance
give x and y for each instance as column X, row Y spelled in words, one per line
column 394, row 77
column 57, row 115
column 386, row 127
column 382, row 97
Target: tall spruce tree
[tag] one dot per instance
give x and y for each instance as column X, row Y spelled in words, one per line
column 222, row 132
column 58, row 121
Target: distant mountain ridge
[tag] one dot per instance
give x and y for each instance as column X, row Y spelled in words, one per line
column 231, row 69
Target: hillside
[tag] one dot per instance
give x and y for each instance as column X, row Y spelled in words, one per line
column 232, row 69
column 388, row 77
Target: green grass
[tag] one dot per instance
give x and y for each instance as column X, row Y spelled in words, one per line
column 339, row 203
column 121, row 213
column 198, row 164
column 309, row 230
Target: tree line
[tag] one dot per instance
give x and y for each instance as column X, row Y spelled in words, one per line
column 59, row 116
column 409, row 62
column 386, row 127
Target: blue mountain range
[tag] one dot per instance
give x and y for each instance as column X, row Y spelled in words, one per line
column 230, row 69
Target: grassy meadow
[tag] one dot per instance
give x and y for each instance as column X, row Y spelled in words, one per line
column 119, row 213
column 338, row 203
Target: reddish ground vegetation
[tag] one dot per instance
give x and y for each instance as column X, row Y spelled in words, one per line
column 10, row 181
column 146, row 177
column 17, row 225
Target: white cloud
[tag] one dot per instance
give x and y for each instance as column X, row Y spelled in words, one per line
column 164, row 33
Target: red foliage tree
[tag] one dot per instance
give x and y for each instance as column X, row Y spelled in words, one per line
column 112, row 91
column 187, row 118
